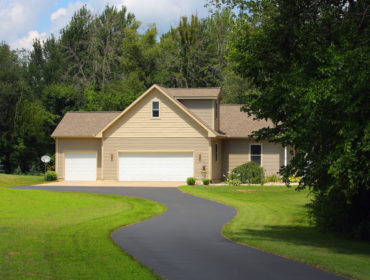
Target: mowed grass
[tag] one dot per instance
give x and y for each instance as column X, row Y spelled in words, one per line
column 8, row 180
column 275, row 219
column 61, row 235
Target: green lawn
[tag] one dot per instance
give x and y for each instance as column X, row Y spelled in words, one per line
column 275, row 219
column 61, row 235
column 7, row 180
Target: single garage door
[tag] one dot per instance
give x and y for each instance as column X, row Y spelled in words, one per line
column 155, row 166
column 80, row 167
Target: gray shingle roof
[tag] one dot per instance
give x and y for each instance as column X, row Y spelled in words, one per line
column 235, row 123
column 210, row 93
column 83, row 124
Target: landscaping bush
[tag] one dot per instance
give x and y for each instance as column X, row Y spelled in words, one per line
column 205, row 181
column 294, row 179
column 191, row 181
column 249, row 172
column 51, row 176
column 234, row 182
column 272, row 178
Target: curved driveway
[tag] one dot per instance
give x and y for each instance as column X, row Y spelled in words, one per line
column 186, row 242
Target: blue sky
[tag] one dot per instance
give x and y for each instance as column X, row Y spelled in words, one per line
column 24, row 20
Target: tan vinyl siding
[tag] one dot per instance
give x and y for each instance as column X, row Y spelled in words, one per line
column 114, row 144
column 201, row 108
column 236, row 152
column 77, row 145
column 138, row 122
column 216, row 165
column 272, row 157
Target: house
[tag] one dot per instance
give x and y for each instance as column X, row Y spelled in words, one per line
column 167, row 134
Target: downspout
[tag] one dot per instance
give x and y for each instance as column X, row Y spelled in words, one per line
column 285, row 156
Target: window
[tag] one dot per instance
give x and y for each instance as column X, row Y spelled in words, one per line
column 256, row 153
column 216, row 110
column 216, row 152
column 155, row 109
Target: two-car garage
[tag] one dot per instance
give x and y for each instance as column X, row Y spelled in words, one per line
column 133, row 166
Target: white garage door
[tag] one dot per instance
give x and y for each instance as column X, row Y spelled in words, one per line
column 155, row 166
column 80, row 167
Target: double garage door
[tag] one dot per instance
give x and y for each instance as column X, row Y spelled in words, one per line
column 155, row 166
column 133, row 166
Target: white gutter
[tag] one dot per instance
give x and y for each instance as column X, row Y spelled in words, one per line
column 285, row 156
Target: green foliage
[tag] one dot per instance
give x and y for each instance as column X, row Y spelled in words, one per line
column 249, row 172
column 205, row 181
column 51, row 176
column 311, row 61
column 191, row 181
column 272, row 178
column 294, row 179
column 234, row 182
column 18, row 171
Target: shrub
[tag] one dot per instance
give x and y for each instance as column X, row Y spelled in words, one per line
column 18, row 171
column 205, row 181
column 249, row 172
column 294, row 179
column 272, row 178
column 51, row 176
column 191, row 181
column 234, row 182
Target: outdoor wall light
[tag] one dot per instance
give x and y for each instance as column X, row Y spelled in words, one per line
column 111, row 156
column 200, row 156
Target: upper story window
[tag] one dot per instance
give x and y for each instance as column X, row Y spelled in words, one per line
column 216, row 110
column 155, row 109
column 256, row 153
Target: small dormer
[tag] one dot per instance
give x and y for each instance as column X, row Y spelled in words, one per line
column 203, row 102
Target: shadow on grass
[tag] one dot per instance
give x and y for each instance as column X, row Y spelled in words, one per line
column 305, row 236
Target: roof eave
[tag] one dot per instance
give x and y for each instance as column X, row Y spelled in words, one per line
column 196, row 97
column 74, row 136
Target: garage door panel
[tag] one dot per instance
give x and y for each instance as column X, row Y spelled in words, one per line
column 80, row 167
column 155, row 166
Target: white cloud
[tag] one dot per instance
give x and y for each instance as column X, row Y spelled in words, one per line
column 18, row 17
column 57, row 14
column 27, row 41
column 61, row 17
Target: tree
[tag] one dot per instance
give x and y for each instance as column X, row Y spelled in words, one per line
column 22, row 118
column 310, row 61
column 108, row 31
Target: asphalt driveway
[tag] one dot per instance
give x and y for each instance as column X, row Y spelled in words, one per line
column 186, row 242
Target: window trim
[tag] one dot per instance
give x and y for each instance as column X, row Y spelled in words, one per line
column 216, row 151
column 154, row 110
column 250, row 152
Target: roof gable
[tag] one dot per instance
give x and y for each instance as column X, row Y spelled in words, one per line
column 177, row 104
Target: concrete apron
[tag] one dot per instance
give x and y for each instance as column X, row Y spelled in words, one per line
column 112, row 183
